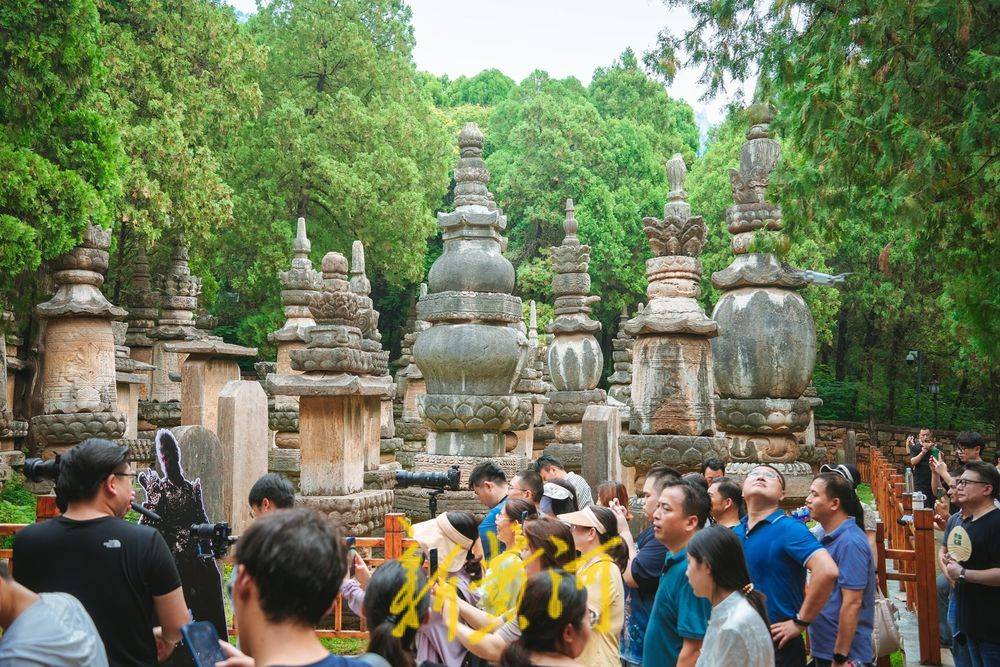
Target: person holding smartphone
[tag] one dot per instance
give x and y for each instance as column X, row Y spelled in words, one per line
column 920, row 459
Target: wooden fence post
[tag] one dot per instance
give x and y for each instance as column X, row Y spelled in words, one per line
column 926, row 587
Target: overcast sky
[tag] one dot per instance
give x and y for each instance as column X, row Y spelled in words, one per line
column 562, row 37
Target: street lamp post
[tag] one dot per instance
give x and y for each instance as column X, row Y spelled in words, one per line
column 935, row 388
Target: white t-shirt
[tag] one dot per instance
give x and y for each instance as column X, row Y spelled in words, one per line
column 56, row 631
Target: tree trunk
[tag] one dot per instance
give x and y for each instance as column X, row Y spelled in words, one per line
column 840, row 353
column 962, row 385
column 890, row 372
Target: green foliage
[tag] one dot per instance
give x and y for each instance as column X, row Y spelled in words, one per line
column 345, row 138
column 897, row 104
column 60, row 157
column 17, row 505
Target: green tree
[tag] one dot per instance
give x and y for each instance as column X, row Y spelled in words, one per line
column 345, row 138
column 60, row 158
column 488, row 88
column 899, row 104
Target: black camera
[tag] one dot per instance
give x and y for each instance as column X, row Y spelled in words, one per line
column 212, row 540
column 431, row 480
column 38, row 470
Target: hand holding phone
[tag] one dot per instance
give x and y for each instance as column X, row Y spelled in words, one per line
column 202, row 641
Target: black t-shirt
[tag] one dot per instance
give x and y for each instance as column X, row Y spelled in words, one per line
column 113, row 567
column 922, row 472
column 974, row 601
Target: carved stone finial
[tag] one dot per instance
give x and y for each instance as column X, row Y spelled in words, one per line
column 676, row 173
column 359, row 280
column 570, row 226
column 532, row 315
column 422, row 291
column 301, row 246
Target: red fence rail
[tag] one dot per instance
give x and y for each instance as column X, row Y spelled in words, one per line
column 910, row 544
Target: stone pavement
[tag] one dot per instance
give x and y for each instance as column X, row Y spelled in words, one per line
column 908, row 628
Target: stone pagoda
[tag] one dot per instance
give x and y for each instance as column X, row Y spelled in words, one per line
column 143, row 307
column 371, row 342
column 131, row 377
column 531, row 388
column 575, row 357
column 340, row 384
column 620, row 382
column 11, row 428
column 178, row 301
column 298, row 284
column 79, row 397
column 671, row 418
column 410, row 428
column 765, row 353
column 472, row 354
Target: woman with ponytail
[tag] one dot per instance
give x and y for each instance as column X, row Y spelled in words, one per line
column 550, row 640
column 383, row 587
column 738, row 627
column 603, row 556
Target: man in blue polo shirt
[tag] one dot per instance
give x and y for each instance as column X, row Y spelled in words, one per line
column 679, row 619
column 843, row 630
column 779, row 550
column 489, row 484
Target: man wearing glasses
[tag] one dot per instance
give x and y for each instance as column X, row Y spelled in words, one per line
column 977, row 579
column 779, row 551
column 122, row 573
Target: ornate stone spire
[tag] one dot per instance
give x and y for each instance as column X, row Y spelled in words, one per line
column 470, row 357
column 765, row 353
column 367, row 315
column 299, row 282
column 143, row 302
column 79, row 398
column 620, row 382
column 179, row 299
column 574, row 355
column 670, row 420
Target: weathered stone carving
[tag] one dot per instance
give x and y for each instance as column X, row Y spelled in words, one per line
column 765, row 353
column 11, row 428
column 620, row 382
column 79, row 397
column 131, row 376
column 178, row 301
column 339, row 407
column 574, row 355
column 471, row 356
column 671, row 392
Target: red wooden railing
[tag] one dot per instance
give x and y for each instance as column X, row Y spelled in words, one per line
column 375, row 551
column 911, row 546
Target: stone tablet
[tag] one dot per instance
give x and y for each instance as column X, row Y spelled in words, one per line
column 244, row 439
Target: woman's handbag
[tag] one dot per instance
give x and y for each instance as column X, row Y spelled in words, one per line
column 885, row 629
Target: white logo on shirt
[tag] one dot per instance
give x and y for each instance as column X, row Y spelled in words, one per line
column 113, row 544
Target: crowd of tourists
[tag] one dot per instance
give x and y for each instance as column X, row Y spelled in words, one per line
column 719, row 575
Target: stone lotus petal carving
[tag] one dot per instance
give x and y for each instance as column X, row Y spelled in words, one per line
column 675, row 236
column 165, row 414
column 685, row 452
column 329, row 307
column 445, row 412
column 74, row 428
column 569, row 406
column 765, row 415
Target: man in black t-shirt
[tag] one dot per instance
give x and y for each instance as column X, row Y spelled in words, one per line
column 977, row 579
column 920, row 457
column 122, row 573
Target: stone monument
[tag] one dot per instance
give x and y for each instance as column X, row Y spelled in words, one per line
column 410, row 427
column 178, row 301
column 298, row 283
column 131, row 378
column 620, row 382
column 340, row 385
column 472, row 354
column 575, row 357
column 671, row 412
column 765, row 353
column 79, row 398
column 142, row 303
column 531, row 388
column 11, row 428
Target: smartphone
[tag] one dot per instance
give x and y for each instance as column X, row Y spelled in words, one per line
column 433, row 562
column 351, row 553
column 202, row 641
column 935, row 452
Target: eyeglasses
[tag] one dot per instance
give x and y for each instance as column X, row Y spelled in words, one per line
column 962, row 481
column 593, row 617
column 763, row 474
column 125, row 474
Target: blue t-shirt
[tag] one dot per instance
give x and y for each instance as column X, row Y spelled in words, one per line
column 646, row 569
column 488, row 526
column 677, row 614
column 848, row 546
column 776, row 552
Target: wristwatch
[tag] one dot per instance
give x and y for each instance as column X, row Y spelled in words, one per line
column 839, row 658
column 961, row 575
column 799, row 622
